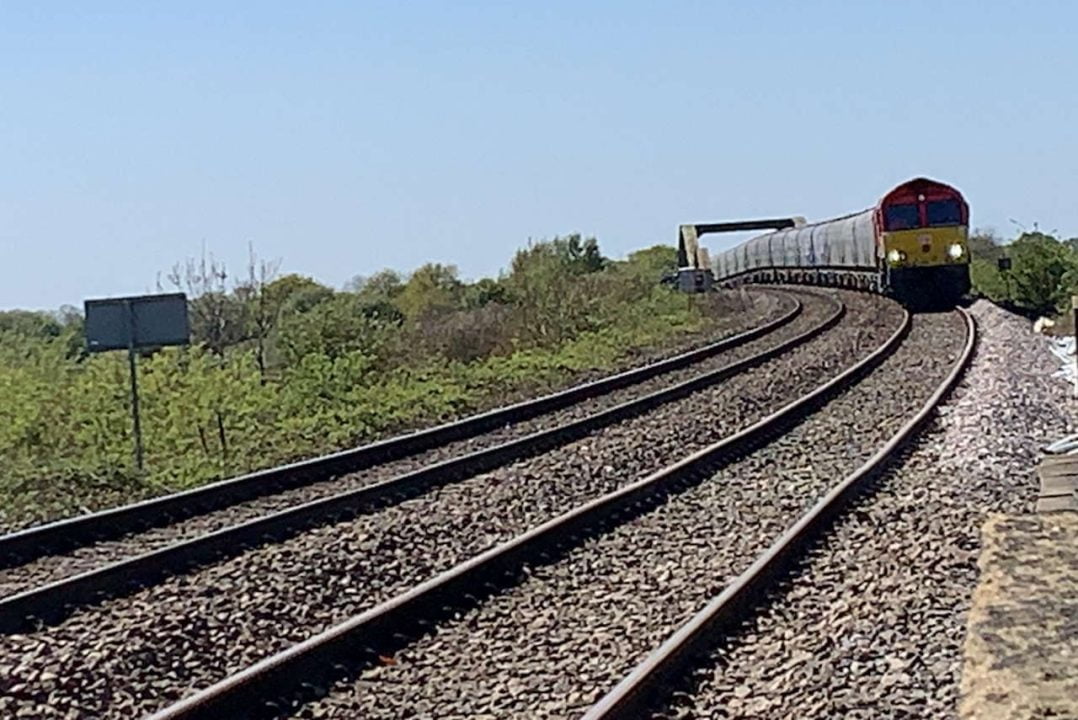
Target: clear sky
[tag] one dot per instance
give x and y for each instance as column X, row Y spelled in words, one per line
column 347, row 137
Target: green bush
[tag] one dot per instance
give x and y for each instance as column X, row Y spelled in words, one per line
column 1042, row 277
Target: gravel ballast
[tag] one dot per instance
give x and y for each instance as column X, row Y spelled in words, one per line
column 1022, row 635
column 766, row 306
column 873, row 625
column 132, row 655
column 551, row 646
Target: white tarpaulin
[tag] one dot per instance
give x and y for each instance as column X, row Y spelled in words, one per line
column 1063, row 349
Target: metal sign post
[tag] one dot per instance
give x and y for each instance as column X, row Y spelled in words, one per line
column 131, row 363
column 1004, row 265
column 134, row 323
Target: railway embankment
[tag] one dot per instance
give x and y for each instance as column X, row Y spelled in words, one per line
column 908, row 609
column 1021, row 642
column 546, row 581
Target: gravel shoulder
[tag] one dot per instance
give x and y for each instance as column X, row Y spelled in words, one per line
column 550, row 646
column 1022, row 637
column 130, row 656
column 874, row 624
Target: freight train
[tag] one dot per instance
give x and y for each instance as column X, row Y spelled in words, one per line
column 912, row 245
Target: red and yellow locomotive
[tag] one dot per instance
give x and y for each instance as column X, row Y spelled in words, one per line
column 911, row 245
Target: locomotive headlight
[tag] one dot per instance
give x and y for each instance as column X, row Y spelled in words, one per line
column 896, row 256
column 955, row 251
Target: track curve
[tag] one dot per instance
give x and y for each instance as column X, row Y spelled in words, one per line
column 650, row 680
column 50, row 600
column 127, row 656
column 27, row 544
column 296, row 674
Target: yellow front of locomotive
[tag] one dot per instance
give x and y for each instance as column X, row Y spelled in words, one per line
column 927, row 247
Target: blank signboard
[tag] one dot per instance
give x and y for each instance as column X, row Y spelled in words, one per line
column 154, row 320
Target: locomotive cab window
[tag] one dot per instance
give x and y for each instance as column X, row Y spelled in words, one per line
column 902, row 217
column 943, row 212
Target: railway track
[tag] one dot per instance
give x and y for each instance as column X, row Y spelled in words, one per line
column 70, row 561
column 494, row 610
column 191, row 630
column 22, row 546
column 646, row 690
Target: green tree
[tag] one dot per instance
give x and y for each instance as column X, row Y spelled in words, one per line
column 988, row 281
column 333, row 328
column 384, row 285
column 578, row 254
column 291, row 294
column 30, row 324
column 985, row 245
column 432, row 289
column 1041, row 271
column 985, row 249
column 543, row 284
column 483, row 292
column 261, row 309
column 653, row 262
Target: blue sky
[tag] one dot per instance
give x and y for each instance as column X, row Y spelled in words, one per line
column 343, row 137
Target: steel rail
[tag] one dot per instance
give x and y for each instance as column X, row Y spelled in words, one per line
column 25, row 545
column 288, row 678
column 55, row 600
column 650, row 682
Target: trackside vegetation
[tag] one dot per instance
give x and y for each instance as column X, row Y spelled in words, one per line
column 1043, row 273
column 283, row 367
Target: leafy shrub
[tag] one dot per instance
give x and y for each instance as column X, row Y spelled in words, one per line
column 1042, row 277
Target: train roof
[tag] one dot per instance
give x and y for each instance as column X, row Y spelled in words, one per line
column 911, row 190
column 828, row 221
column 904, row 192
